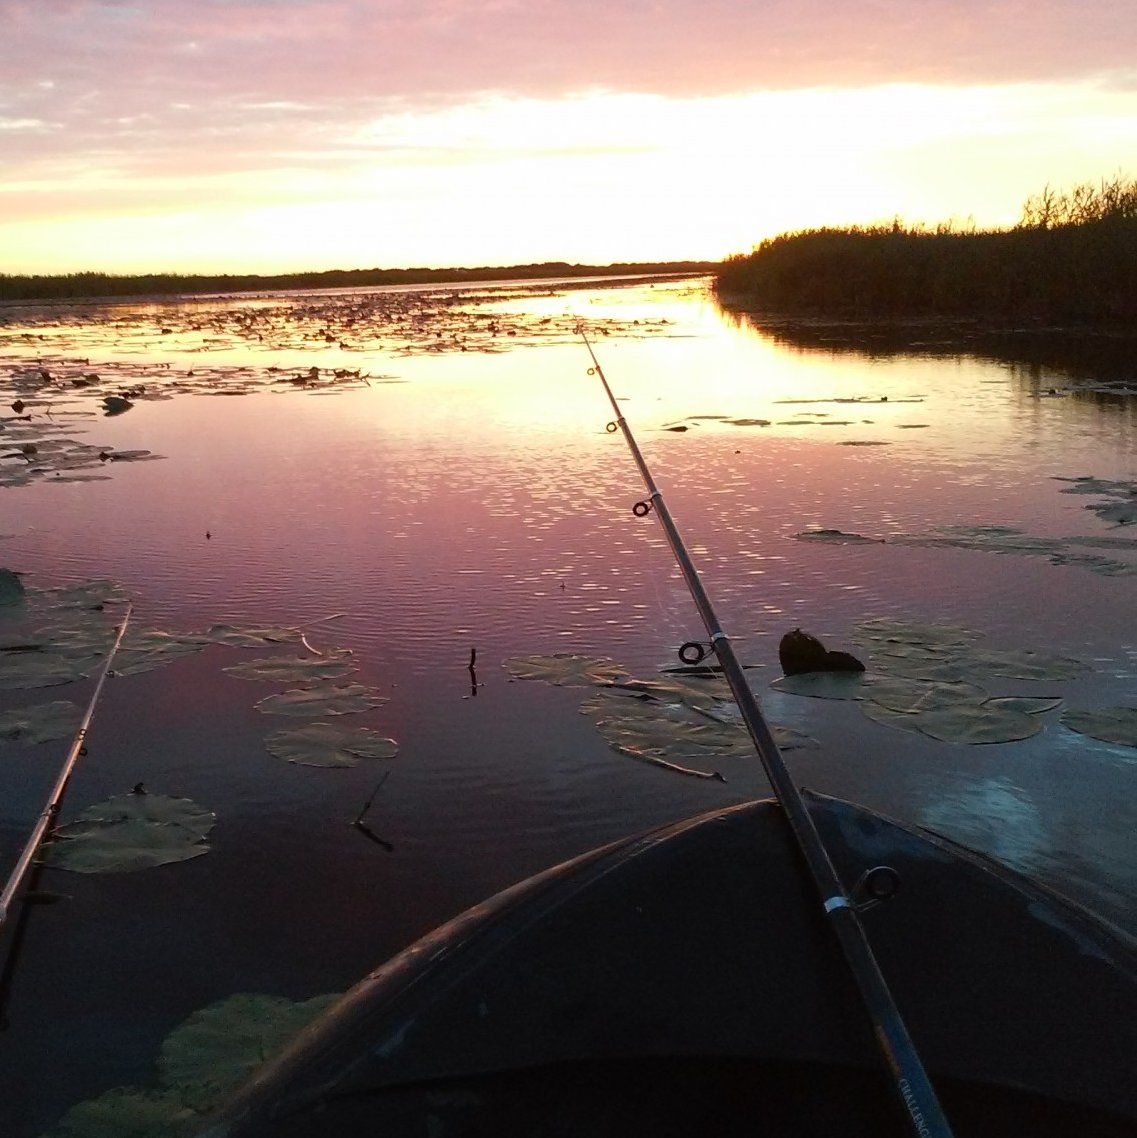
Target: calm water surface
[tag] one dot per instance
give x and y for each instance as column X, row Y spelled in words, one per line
column 453, row 499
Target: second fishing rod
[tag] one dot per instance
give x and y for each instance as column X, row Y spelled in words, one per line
column 909, row 1077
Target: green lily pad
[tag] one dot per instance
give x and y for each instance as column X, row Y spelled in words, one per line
column 1023, row 664
column 214, row 1051
column 41, row 723
column 11, row 588
column 837, row 537
column 673, row 736
column 286, row 669
column 908, row 695
column 128, row 1112
column 977, row 724
column 346, row 699
column 131, row 832
column 964, row 721
column 1027, row 704
column 42, row 669
column 143, row 650
column 566, row 670
column 329, row 745
column 247, row 636
column 1110, row 724
column 886, row 630
column 709, row 695
column 827, row 685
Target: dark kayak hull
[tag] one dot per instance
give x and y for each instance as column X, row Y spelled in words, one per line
column 691, row 971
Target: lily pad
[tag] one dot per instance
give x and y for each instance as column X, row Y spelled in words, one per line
column 329, row 745
column 566, row 670
column 131, row 832
column 129, row 1112
column 970, row 722
column 217, row 1048
column 648, row 729
column 901, row 694
column 247, row 636
column 42, row 669
column 11, row 588
column 837, row 537
column 827, row 685
column 143, row 650
column 42, row 723
column 1110, row 724
column 284, row 669
column 345, row 699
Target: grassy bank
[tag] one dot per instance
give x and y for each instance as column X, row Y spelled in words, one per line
column 1071, row 259
column 94, row 286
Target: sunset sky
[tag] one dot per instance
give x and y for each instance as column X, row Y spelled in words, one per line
column 278, row 135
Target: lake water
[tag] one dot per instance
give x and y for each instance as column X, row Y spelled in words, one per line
column 461, row 492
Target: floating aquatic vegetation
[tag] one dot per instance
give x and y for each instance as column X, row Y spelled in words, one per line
column 328, row 745
column 127, row 1112
column 968, row 721
column 143, row 650
column 837, row 537
column 282, row 669
column 346, row 699
column 200, row 1063
column 217, row 1048
column 566, row 670
column 1120, row 505
column 244, row 636
column 826, row 685
column 40, row 723
column 42, row 669
column 131, row 832
column 671, row 735
column 923, row 681
column 11, row 589
column 1110, row 724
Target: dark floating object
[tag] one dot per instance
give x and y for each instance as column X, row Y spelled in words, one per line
column 800, row 652
column 680, row 982
column 115, row 405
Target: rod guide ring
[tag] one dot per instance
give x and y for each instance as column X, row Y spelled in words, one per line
column 692, row 652
column 642, row 509
column 612, row 427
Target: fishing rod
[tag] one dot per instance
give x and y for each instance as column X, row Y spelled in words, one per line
column 910, row 1080
column 51, row 811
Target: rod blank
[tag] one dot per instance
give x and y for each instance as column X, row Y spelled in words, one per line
column 910, row 1080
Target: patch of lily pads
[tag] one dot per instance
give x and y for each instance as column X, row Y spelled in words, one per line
column 200, row 1064
column 131, row 832
column 923, row 679
column 329, row 745
column 1118, row 506
column 686, row 724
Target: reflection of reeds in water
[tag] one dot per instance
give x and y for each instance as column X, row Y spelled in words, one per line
column 1071, row 257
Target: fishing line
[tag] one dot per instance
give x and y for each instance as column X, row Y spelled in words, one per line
column 910, row 1080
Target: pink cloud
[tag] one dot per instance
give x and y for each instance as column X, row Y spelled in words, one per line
column 146, row 87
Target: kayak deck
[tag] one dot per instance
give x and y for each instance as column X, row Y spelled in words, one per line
column 686, row 980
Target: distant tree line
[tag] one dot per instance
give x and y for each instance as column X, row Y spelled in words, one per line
column 1071, row 258
column 91, row 285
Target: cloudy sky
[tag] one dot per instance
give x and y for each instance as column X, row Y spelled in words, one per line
column 277, row 135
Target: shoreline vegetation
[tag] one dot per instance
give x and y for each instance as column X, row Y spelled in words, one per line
column 111, row 286
column 1071, row 260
